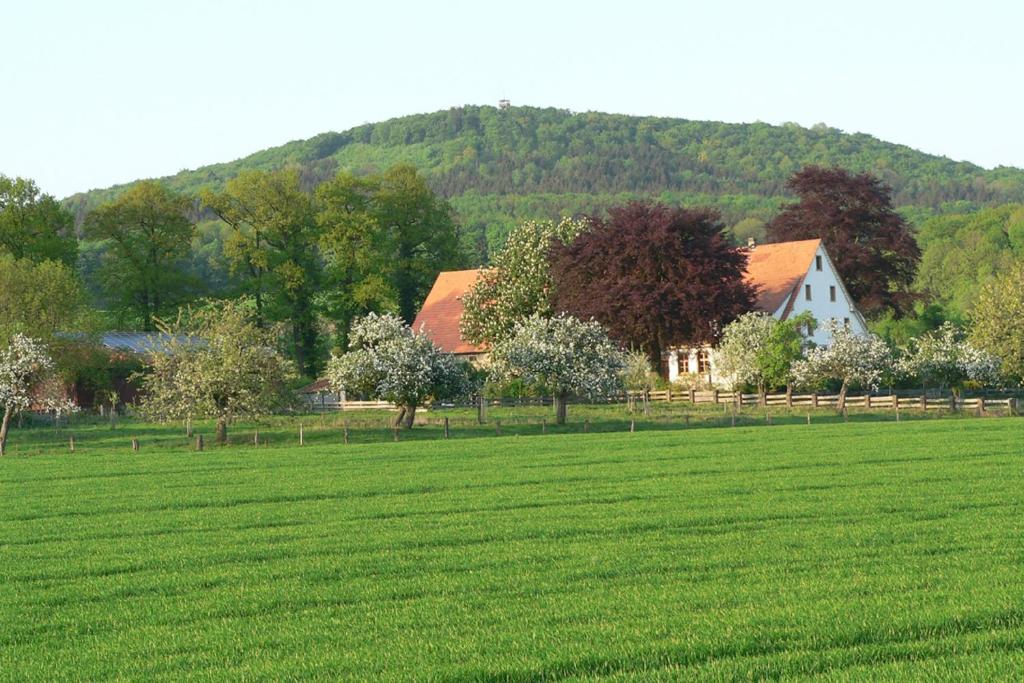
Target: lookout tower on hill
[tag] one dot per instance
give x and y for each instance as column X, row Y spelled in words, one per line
column 504, row 104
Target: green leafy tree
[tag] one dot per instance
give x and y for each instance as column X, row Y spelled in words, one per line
column 216, row 362
column 391, row 362
column 385, row 238
column 561, row 355
column 40, row 300
column 148, row 233
column 273, row 247
column 997, row 322
column 34, row 225
column 519, row 282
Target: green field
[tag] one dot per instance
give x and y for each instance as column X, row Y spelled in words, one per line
column 868, row 550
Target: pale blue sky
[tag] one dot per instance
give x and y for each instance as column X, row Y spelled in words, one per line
column 95, row 93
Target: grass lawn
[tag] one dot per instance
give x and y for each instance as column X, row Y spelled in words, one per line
column 868, row 550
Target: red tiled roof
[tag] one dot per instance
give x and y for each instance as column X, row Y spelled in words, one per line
column 777, row 270
column 441, row 312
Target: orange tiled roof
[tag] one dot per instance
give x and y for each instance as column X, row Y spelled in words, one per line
column 777, row 270
column 441, row 312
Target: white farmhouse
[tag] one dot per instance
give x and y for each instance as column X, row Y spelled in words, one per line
column 790, row 278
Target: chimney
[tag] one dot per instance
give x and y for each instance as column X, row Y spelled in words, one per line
column 751, row 243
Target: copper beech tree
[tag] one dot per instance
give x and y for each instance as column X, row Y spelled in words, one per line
column 870, row 244
column 654, row 276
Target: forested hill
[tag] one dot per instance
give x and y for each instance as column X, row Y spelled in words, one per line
column 498, row 166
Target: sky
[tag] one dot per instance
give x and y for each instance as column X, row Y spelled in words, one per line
column 98, row 93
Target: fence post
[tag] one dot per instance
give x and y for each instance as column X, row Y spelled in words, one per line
column 981, row 406
column 714, row 395
column 135, row 445
column 693, row 395
column 481, row 410
column 867, row 400
column 924, row 403
column 71, row 443
column 789, row 397
column 952, row 402
column 814, row 399
column 668, row 396
column 1011, row 406
column 302, row 436
column 446, row 427
column 199, row 442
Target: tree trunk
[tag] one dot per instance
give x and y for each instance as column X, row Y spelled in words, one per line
column 3, row 430
column 410, row 415
column 222, row 431
column 560, row 408
column 400, row 416
column 841, row 401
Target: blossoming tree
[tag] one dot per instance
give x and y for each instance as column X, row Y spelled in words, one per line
column 518, row 284
column 26, row 379
column 850, row 358
column 758, row 349
column 391, row 362
column 562, row 355
column 216, row 363
column 945, row 358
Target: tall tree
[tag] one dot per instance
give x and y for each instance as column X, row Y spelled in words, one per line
column 655, row 276
column 998, row 321
column 148, row 234
column 34, row 225
column 386, row 237
column 518, row 284
column 39, row 300
column 869, row 242
column 273, row 245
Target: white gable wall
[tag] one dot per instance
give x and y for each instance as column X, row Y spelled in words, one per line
column 820, row 305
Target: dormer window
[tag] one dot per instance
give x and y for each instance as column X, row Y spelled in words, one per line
column 817, row 262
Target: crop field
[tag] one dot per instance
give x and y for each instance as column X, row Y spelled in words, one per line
column 869, row 550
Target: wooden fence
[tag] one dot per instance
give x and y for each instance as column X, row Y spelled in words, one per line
column 894, row 401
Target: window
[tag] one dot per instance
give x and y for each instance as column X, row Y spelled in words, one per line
column 704, row 361
column 832, row 293
column 817, row 263
column 807, row 292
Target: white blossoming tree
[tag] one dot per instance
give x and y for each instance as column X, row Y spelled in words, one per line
column 391, row 362
column 562, row 355
column 945, row 358
column 760, row 350
column 518, row 284
column 216, row 363
column 850, row 358
column 27, row 379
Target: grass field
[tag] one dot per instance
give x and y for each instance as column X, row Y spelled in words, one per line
column 868, row 550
